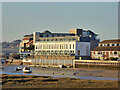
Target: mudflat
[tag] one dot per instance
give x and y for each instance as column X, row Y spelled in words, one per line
column 32, row 81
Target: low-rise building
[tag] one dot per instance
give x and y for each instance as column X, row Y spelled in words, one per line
column 26, row 42
column 107, row 49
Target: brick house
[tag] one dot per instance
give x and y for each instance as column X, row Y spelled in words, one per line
column 107, row 49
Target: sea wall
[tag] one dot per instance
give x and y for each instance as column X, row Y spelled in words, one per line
column 52, row 62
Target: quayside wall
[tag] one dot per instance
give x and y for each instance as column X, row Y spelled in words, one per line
column 52, row 62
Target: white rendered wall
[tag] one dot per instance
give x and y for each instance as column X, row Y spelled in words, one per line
column 84, row 48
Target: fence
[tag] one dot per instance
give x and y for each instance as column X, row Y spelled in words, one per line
column 95, row 63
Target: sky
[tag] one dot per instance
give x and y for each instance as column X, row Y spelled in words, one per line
column 23, row 18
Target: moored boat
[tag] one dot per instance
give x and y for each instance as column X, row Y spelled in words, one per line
column 27, row 70
column 18, row 68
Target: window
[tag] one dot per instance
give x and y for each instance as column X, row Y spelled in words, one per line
column 66, row 46
column 70, row 51
column 52, row 35
column 99, row 52
column 117, row 44
column 115, row 52
column 51, row 39
column 41, row 35
column 112, row 44
column 55, row 39
column 47, row 35
column 108, row 45
column 70, row 46
column 73, row 46
column 73, row 39
column 60, row 46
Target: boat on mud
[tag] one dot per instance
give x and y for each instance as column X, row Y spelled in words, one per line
column 27, row 70
column 18, row 68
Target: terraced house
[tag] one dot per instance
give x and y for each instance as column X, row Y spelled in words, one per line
column 107, row 49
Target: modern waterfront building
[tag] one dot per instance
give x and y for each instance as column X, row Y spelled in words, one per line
column 77, row 42
column 107, row 49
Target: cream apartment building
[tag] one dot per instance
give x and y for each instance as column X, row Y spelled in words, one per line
column 69, row 45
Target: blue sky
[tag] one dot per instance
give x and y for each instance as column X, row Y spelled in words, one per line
column 19, row 19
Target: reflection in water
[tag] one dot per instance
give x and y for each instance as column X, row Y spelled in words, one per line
column 11, row 69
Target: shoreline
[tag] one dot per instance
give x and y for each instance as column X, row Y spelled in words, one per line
column 81, row 73
column 33, row 81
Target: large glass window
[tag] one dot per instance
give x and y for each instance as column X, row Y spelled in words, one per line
column 66, row 46
column 70, row 46
column 73, row 46
column 60, row 46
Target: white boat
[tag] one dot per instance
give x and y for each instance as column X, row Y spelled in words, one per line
column 27, row 70
column 18, row 68
column 60, row 66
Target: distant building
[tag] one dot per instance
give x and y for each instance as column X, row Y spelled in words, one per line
column 87, row 36
column 107, row 49
column 26, row 42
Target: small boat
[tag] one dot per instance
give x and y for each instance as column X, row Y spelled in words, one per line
column 18, row 68
column 27, row 70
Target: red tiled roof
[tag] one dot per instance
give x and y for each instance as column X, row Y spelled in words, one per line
column 111, row 41
column 25, row 38
column 107, row 48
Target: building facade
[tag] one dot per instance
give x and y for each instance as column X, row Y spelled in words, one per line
column 76, row 43
column 69, row 45
column 107, row 49
column 26, row 42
